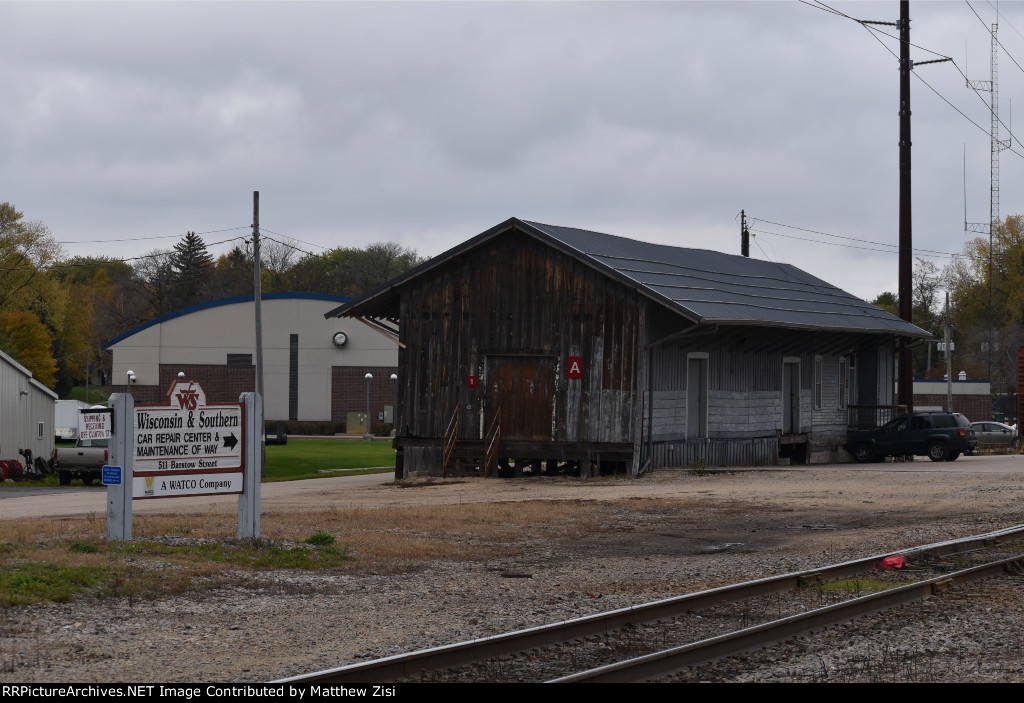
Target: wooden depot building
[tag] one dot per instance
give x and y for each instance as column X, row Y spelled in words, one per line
column 532, row 347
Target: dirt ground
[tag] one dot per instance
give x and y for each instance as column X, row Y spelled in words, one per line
column 605, row 543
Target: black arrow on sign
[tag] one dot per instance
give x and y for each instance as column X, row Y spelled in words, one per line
column 230, row 441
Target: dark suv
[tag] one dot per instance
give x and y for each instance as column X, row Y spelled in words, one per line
column 939, row 436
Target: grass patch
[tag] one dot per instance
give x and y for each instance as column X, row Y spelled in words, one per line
column 260, row 554
column 320, row 538
column 299, row 459
column 34, row 582
column 83, row 547
column 183, row 554
column 306, row 458
column 98, row 395
column 46, row 482
column 143, row 569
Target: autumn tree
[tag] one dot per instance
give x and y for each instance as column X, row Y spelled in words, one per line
column 925, row 308
column 32, row 303
column 154, row 277
column 982, row 302
column 27, row 250
column 888, row 302
column 346, row 271
column 26, row 339
column 232, row 274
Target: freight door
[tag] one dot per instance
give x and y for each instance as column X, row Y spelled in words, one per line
column 524, row 388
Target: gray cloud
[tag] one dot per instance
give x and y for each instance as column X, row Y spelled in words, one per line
column 429, row 122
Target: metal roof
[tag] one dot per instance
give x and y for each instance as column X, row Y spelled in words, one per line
column 223, row 301
column 708, row 287
column 28, row 374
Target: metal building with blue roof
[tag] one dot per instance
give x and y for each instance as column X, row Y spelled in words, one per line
column 314, row 368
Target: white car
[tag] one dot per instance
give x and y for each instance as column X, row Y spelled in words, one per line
column 995, row 434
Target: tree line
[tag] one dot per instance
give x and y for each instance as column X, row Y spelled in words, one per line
column 974, row 307
column 57, row 311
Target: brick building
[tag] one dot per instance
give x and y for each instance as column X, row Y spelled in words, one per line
column 313, row 368
column 972, row 398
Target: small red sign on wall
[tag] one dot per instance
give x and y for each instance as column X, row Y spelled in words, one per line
column 471, row 381
column 575, row 367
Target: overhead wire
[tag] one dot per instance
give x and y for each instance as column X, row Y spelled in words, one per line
column 1004, row 19
column 989, row 30
column 110, row 260
column 379, row 276
column 836, row 236
column 893, row 248
column 139, row 239
column 296, row 239
column 874, row 31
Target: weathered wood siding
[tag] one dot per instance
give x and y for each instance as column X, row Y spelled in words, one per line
column 745, row 389
column 513, row 303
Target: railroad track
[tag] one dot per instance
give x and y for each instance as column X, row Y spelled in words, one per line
column 591, row 648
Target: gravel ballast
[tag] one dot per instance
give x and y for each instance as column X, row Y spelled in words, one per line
column 663, row 535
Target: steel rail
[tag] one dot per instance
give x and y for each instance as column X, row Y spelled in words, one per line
column 414, row 664
column 671, row 661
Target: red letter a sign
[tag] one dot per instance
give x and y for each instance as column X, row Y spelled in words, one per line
column 575, row 367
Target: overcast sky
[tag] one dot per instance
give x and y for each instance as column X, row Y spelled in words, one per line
column 426, row 123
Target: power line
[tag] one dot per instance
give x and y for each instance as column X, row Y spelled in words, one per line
column 822, row 6
column 379, row 276
column 873, row 30
column 311, row 244
column 839, row 236
column 125, row 260
column 849, row 246
column 989, row 30
column 139, row 239
column 1003, row 17
column 893, row 248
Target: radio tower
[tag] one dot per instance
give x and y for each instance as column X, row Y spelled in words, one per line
column 993, row 221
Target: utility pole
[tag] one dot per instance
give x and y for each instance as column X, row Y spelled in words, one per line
column 906, row 263
column 257, row 295
column 744, row 235
column 949, row 358
column 905, row 366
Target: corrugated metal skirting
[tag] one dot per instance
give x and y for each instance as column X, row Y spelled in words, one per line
column 761, row 451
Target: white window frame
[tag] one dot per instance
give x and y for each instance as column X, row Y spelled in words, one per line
column 844, row 383
column 817, row 382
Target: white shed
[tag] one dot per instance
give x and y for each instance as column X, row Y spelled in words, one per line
column 26, row 412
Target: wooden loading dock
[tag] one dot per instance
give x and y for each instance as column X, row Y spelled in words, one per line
column 535, row 347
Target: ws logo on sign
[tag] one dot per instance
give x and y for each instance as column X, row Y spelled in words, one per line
column 188, row 395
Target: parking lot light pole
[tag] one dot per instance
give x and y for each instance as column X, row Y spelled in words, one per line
column 394, row 405
column 368, row 435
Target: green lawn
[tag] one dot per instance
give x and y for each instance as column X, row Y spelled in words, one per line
column 304, row 458
column 98, row 395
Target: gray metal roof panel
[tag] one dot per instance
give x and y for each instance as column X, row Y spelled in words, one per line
column 730, row 289
column 705, row 286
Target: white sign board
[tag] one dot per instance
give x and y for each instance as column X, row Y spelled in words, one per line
column 95, row 424
column 187, row 447
column 167, row 485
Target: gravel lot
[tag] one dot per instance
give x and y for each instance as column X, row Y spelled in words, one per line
column 663, row 535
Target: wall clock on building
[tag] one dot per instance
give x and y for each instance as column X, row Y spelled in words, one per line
column 340, row 339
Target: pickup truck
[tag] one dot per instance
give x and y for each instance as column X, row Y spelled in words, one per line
column 85, row 461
